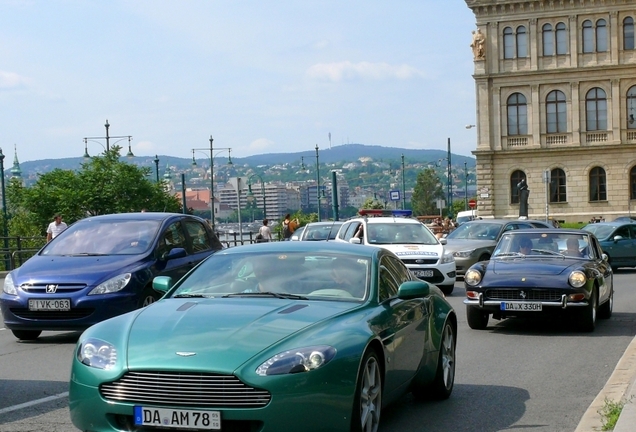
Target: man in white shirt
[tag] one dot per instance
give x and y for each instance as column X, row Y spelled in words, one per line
column 55, row 227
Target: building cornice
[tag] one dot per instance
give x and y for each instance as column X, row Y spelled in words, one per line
column 495, row 8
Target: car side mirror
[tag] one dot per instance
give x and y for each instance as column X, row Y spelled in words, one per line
column 173, row 254
column 162, row 284
column 617, row 238
column 355, row 240
column 413, row 289
column 604, row 257
column 443, row 241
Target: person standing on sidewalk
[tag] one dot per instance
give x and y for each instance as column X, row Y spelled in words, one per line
column 55, row 227
column 265, row 232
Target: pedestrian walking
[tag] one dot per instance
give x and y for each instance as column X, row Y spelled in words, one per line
column 55, row 228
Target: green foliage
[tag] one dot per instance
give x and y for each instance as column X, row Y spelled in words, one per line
column 428, row 189
column 610, row 412
column 103, row 185
column 372, row 203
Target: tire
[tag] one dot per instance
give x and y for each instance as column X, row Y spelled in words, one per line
column 27, row 335
column 477, row 319
column 605, row 310
column 148, row 296
column 367, row 403
column 587, row 318
column 442, row 385
column 447, row 289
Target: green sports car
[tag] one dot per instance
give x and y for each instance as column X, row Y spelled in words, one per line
column 282, row 336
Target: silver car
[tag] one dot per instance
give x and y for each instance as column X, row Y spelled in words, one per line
column 475, row 240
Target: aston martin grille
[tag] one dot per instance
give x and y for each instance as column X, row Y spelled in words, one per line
column 185, row 389
column 530, row 294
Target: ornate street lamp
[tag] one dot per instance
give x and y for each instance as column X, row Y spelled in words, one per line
column 318, row 182
column 250, row 194
column 107, row 138
column 4, row 212
column 229, row 162
column 403, row 185
column 156, row 161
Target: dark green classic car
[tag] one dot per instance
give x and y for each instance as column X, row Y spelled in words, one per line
column 281, row 336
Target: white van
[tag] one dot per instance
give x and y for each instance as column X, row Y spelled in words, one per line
column 465, row 216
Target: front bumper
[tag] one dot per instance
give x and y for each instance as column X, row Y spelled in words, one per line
column 443, row 274
column 493, row 306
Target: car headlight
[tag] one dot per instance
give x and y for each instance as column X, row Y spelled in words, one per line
column 447, row 257
column 112, row 285
column 577, row 279
column 298, row 360
column 463, row 254
column 472, row 277
column 97, row 353
column 9, row 288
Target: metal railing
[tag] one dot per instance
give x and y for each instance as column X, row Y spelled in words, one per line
column 18, row 250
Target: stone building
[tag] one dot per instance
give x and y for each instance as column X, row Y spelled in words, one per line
column 556, row 105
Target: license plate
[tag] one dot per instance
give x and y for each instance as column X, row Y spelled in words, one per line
column 522, row 306
column 177, row 418
column 50, row 305
column 423, row 273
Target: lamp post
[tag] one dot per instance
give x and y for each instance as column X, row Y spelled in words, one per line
column 449, row 183
column 251, row 194
column 4, row 212
column 465, row 186
column 229, row 162
column 107, row 138
column 156, row 161
column 403, row 185
column 318, row 182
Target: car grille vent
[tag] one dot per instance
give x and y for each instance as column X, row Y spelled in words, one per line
column 59, row 288
column 530, row 294
column 420, row 261
column 185, row 389
column 77, row 313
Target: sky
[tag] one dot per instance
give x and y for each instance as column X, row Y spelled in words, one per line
column 258, row 76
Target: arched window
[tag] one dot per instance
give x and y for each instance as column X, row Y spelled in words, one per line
column 588, row 37
column 596, row 110
column 522, row 42
column 556, row 114
column 628, row 33
column 517, row 115
column 548, row 40
column 557, row 186
column 598, row 185
column 601, row 36
column 632, row 183
column 561, row 39
column 631, row 108
column 509, row 43
column 515, row 178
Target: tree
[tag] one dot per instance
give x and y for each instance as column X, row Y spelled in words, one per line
column 428, row 189
column 103, row 185
column 372, row 203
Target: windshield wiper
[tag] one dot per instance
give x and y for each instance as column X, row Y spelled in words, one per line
column 509, row 254
column 267, row 294
column 86, row 254
column 189, row 296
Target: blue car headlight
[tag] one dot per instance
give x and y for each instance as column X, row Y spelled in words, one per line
column 97, row 353
column 447, row 257
column 112, row 285
column 464, row 253
column 9, row 288
column 577, row 279
column 298, row 360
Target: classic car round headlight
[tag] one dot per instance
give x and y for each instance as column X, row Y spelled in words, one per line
column 97, row 353
column 298, row 360
column 577, row 279
column 472, row 277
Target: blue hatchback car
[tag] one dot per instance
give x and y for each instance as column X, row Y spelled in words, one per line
column 618, row 240
column 101, row 267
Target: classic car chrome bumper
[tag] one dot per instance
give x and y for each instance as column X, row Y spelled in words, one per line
column 564, row 304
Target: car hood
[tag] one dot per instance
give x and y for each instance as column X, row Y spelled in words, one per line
column 219, row 333
column 72, row 269
column 414, row 250
column 454, row 245
column 524, row 266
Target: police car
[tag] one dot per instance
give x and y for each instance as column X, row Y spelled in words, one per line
column 406, row 237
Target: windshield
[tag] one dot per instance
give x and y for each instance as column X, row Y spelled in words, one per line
column 104, row 237
column 600, row 231
column 306, row 274
column 476, row 231
column 322, row 232
column 399, row 233
column 562, row 244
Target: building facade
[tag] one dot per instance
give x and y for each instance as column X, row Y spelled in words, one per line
column 556, row 105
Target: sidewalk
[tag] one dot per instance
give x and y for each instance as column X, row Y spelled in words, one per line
column 621, row 386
